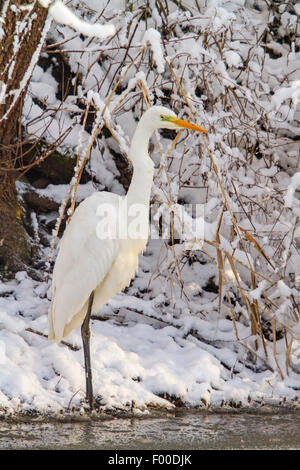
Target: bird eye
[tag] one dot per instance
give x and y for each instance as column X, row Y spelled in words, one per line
column 162, row 117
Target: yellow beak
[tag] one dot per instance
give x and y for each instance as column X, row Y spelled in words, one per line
column 188, row 125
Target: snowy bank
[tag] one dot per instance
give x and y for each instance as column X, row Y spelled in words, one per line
column 138, row 360
column 208, row 327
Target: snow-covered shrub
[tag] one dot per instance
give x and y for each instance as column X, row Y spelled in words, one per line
column 232, row 66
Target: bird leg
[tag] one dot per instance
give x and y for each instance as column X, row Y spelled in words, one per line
column 85, row 334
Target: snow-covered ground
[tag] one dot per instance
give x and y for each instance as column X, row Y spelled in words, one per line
column 168, row 339
column 140, row 357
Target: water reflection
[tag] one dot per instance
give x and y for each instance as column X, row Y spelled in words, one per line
column 182, row 431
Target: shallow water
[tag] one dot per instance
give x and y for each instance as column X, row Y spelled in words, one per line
column 180, row 431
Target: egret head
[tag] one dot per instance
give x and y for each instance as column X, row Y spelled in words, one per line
column 163, row 118
column 156, row 117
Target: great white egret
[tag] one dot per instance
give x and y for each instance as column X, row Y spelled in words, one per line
column 91, row 268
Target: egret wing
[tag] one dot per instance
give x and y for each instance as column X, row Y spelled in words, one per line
column 82, row 262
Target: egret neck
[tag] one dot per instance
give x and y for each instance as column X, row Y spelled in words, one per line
column 143, row 167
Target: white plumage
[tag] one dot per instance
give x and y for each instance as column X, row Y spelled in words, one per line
column 87, row 264
column 82, row 264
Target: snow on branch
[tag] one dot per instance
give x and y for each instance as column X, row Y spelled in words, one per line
column 294, row 184
column 285, row 93
column 152, row 37
column 62, row 14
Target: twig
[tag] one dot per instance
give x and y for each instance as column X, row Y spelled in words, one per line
column 65, row 343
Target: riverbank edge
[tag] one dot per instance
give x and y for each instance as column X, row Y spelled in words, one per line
column 150, row 412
